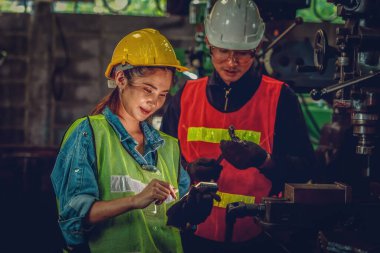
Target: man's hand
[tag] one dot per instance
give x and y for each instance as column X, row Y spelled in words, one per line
column 204, row 169
column 193, row 208
column 243, row 154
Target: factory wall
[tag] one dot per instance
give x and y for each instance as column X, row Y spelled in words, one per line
column 54, row 70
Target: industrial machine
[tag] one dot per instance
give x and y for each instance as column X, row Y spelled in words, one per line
column 339, row 212
column 356, row 94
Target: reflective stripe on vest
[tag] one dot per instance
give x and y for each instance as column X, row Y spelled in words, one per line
column 227, row 198
column 216, row 135
column 199, row 135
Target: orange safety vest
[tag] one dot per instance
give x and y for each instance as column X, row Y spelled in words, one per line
column 200, row 130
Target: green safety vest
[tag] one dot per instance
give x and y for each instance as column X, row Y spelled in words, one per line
column 119, row 175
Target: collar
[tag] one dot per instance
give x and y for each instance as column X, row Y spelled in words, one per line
column 251, row 77
column 153, row 140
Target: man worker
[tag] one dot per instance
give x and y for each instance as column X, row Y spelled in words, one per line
column 266, row 115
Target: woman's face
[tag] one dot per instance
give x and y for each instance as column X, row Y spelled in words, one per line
column 145, row 95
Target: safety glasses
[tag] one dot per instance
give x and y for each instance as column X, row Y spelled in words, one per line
column 241, row 56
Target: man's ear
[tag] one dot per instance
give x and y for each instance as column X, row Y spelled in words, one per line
column 207, row 42
column 258, row 48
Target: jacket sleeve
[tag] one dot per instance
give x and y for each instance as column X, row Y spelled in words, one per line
column 293, row 153
column 170, row 119
column 74, row 182
column 184, row 182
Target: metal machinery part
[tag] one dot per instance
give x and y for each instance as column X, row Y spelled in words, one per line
column 357, row 90
column 300, row 206
column 116, row 6
column 325, row 211
column 322, row 53
column 297, row 21
column 320, row 48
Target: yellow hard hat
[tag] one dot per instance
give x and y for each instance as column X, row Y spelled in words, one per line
column 145, row 47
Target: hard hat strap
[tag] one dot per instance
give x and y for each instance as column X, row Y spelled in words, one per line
column 123, row 67
column 110, row 82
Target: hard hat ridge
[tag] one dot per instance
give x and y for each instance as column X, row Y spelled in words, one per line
column 234, row 25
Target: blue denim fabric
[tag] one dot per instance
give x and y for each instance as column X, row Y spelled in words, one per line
column 74, row 174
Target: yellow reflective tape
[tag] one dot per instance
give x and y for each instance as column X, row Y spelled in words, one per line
column 227, row 198
column 215, row 135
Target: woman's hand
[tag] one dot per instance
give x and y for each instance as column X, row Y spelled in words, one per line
column 156, row 191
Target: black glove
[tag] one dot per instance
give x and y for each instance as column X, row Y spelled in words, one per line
column 192, row 208
column 243, row 154
column 204, row 169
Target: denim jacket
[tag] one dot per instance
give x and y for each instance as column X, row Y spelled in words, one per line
column 74, row 174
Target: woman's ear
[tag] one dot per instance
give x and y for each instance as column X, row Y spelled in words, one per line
column 120, row 79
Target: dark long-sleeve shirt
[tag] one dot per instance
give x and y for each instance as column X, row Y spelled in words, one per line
column 292, row 150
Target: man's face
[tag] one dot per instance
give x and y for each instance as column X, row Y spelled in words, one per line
column 231, row 64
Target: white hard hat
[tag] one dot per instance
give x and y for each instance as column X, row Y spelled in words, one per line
column 235, row 25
